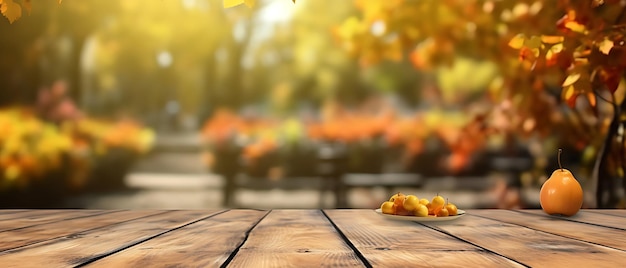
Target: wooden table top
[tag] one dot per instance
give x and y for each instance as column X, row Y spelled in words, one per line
column 308, row 238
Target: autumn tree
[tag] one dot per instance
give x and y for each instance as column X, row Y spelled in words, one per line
column 56, row 40
column 570, row 65
column 134, row 57
column 588, row 46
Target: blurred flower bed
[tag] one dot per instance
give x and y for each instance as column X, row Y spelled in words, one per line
column 30, row 149
column 44, row 158
column 370, row 141
column 111, row 146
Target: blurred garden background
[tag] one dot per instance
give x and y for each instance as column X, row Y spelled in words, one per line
column 309, row 103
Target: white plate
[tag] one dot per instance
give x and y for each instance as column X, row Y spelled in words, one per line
column 459, row 214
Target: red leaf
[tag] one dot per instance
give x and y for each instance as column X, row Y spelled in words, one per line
column 565, row 60
column 610, row 76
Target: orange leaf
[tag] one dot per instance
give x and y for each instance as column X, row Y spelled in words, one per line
column 417, row 60
column 575, row 27
column 518, row 41
column 11, row 10
column 552, row 39
column 592, row 99
column 527, row 54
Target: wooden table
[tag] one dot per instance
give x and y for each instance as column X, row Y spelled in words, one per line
column 308, row 238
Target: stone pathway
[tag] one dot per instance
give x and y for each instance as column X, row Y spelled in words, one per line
column 174, row 177
column 200, row 191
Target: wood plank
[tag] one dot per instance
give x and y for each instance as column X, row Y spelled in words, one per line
column 36, row 217
column 207, row 243
column 531, row 247
column 390, row 243
column 295, row 238
column 11, row 211
column 17, row 215
column 614, row 212
column 26, row 236
column 590, row 233
column 85, row 246
column 589, row 217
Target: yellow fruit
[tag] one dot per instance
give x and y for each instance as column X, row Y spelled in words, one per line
column 443, row 213
column 437, row 203
column 398, row 199
column 452, row 209
column 424, row 201
column 393, row 197
column 421, row 211
column 561, row 193
column 429, row 206
column 400, row 210
column 410, row 202
column 388, row 207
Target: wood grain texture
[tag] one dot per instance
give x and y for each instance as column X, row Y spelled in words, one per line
column 614, row 212
column 585, row 232
column 85, row 246
column 389, row 243
column 308, row 238
column 25, row 213
column 207, row 243
column 36, row 217
column 38, row 233
column 295, row 238
column 532, row 247
column 588, row 217
column 12, row 211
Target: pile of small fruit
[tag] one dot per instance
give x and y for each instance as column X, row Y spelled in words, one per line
column 411, row 205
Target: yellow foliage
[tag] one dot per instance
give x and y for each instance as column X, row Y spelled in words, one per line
column 576, row 27
column 571, row 79
column 30, row 147
column 233, row 3
column 11, row 10
column 605, row 46
column 517, row 42
column 12, row 172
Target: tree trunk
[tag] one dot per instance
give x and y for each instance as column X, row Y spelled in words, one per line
column 74, row 68
column 608, row 192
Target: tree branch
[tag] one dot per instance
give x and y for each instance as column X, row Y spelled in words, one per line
column 603, row 98
column 621, row 15
column 622, row 156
